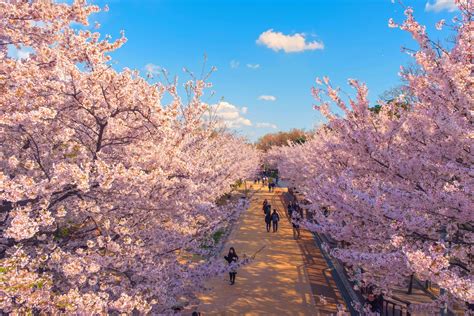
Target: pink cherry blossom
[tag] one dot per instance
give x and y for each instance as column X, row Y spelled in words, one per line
column 108, row 193
column 394, row 187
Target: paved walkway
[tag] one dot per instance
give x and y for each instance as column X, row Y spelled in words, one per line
column 287, row 277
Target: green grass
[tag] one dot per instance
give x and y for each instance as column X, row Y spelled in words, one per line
column 217, row 235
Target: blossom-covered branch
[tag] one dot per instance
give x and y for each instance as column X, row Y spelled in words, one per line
column 395, row 186
column 99, row 178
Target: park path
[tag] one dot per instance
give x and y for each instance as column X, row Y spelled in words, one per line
column 287, row 277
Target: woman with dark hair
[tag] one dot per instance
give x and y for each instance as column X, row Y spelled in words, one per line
column 232, row 258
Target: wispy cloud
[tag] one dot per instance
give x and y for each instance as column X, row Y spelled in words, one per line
column 152, row 69
column 267, row 98
column 229, row 115
column 19, row 53
column 253, row 66
column 288, row 43
column 23, row 54
column 234, row 64
column 266, row 125
column 440, row 5
column 318, row 124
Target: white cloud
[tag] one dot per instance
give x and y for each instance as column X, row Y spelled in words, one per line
column 318, row 124
column 19, row 53
column 253, row 66
column 265, row 125
column 152, row 69
column 234, row 64
column 267, row 98
column 440, row 5
column 23, row 54
column 230, row 115
column 288, row 43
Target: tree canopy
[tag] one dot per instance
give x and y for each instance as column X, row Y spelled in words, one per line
column 296, row 136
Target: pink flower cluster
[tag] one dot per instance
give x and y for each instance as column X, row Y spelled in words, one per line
column 394, row 184
column 107, row 192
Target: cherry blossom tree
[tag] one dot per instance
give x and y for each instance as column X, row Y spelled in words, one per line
column 398, row 183
column 107, row 194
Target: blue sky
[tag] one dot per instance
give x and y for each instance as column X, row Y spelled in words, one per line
column 342, row 39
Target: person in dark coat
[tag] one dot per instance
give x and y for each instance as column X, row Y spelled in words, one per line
column 275, row 220
column 268, row 218
column 375, row 302
column 290, row 210
column 267, row 209
column 264, row 207
column 232, row 258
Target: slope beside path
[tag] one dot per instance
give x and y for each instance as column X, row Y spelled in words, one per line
column 287, row 277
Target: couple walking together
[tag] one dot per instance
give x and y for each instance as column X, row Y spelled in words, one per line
column 270, row 218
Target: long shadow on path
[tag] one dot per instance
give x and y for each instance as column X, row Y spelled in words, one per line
column 286, row 277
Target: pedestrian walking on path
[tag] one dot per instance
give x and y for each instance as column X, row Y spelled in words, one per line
column 264, row 207
column 375, row 303
column 232, row 258
column 268, row 220
column 295, row 222
column 275, row 220
column 290, row 210
column 267, row 209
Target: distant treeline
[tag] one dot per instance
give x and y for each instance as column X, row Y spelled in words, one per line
column 295, row 135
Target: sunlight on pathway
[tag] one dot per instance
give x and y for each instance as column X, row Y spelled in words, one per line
column 284, row 275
